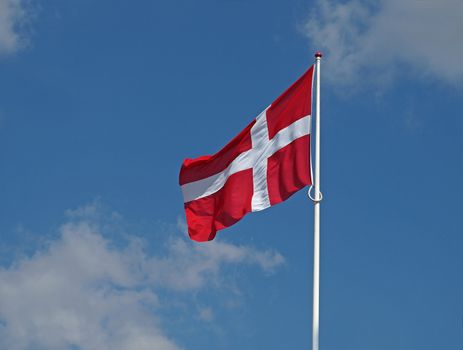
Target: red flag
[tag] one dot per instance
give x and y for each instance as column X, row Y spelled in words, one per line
column 262, row 166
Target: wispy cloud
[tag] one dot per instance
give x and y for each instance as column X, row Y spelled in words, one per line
column 14, row 15
column 368, row 40
column 189, row 266
column 87, row 291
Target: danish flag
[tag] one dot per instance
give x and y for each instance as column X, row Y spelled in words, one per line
column 262, row 166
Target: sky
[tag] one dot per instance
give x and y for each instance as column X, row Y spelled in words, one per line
column 100, row 101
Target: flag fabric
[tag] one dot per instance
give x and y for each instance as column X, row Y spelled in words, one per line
column 262, row 166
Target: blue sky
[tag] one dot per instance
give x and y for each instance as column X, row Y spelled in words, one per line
column 100, row 101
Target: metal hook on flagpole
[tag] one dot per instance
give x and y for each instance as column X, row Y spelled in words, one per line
column 313, row 199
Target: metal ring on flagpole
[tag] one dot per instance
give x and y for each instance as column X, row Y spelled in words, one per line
column 318, row 200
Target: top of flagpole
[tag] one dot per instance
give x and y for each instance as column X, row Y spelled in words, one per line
column 318, row 54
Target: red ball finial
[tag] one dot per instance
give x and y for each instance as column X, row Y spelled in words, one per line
column 318, row 54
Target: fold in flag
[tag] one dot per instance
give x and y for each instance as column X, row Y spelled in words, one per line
column 262, row 166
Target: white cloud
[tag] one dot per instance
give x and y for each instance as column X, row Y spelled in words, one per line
column 85, row 291
column 188, row 266
column 13, row 16
column 369, row 40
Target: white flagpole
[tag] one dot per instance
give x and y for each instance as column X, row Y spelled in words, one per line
column 316, row 200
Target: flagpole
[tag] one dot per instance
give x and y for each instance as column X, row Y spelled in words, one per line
column 316, row 200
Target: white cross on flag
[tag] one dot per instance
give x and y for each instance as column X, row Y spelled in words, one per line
column 262, row 166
